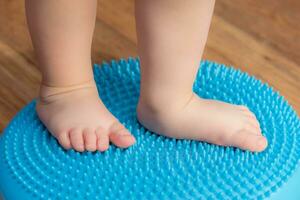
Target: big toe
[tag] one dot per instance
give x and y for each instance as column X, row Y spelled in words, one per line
column 120, row 136
column 250, row 141
column 64, row 139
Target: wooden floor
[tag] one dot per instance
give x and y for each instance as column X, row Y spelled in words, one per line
column 259, row 37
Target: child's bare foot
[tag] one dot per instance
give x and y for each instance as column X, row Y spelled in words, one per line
column 77, row 117
column 205, row 120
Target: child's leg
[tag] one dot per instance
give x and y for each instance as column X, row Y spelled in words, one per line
column 171, row 38
column 69, row 105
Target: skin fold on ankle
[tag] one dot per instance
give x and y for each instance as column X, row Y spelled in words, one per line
column 50, row 94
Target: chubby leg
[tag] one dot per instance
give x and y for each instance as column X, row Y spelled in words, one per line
column 69, row 105
column 171, row 38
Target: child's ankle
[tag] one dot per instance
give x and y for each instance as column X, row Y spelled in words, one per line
column 49, row 92
column 160, row 105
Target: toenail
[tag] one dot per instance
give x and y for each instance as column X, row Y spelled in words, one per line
column 127, row 135
column 123, row 133
column 261, row 142
column 130, row 136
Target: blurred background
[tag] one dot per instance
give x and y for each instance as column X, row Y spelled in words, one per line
column 261, row 37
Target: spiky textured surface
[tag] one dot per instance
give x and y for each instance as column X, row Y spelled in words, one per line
column 33, row 163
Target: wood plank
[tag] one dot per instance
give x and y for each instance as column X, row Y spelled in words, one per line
column 244, row 52
column 19, row 82
column 275, row 23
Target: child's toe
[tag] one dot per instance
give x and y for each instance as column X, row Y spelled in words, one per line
column 90, row 139
column 122, row 141
column 102, row 139
column 64, row 139
column 249, row 113
column 76, row 138
column 255, row 125
column 120, row 136
column 243, row 108
column 249, row 141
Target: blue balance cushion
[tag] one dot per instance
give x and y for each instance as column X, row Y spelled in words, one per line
column 34, row 166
